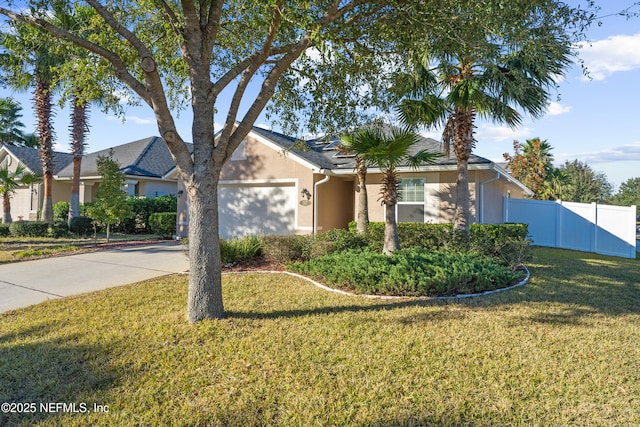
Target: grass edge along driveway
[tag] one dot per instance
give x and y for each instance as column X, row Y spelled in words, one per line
column 562, row 350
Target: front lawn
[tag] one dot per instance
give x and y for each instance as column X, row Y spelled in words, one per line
column 562, row 350
column 14, row 249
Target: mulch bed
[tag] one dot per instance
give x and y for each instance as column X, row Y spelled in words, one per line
column 256, row 264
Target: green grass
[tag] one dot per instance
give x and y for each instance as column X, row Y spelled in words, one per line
column 14, row 249
column 562, row 350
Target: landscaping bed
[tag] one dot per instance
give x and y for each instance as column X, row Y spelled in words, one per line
column 435, row 261
column 562, row 350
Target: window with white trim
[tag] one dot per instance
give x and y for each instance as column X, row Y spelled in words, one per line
column 410, row 207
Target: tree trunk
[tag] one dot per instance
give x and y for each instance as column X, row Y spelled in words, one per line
column 44, row 108
column 463, row 146
column 74, row 202
column 6, row 208
column 78, row 133
column 205, row 274
column 205, row 278
column 463, row 200
column 47, row 204
column 391, row 240
column 363, row 202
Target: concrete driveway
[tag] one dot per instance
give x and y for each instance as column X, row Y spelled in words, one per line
column 31, row 282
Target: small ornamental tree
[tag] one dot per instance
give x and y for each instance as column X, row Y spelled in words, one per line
column 111, row 204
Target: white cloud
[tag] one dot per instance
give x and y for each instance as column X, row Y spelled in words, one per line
column 140, row 121
column 617, row 154
column 556, row 109
column 501, row 133
column 60, row 148
column 614, row 54
column 134, row 119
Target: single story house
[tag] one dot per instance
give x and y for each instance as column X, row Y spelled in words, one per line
column 27, row 201
column 145, row 163
column 276, row 184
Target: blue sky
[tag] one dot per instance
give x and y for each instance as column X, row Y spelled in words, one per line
column 595, row 120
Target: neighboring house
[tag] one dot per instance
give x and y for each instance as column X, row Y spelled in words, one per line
column 145, row 163
column 275, row 184
column 26, row 202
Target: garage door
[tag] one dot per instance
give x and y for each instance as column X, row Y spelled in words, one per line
column 257, row 209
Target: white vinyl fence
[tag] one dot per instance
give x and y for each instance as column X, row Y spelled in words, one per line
column 603, row 229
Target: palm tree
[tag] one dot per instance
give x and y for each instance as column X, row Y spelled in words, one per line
column 79, row 129
column 388, row 151
column 359, row 141
column 10, row 124
column 479, row 74
column 30, row 62
column 9, row 183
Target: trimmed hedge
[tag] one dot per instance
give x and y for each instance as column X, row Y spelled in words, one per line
column 286, row 248
column 4, row 230
column 81, row 225
column 60, row 229
column 29, row 229
column 507, row 243
column 163, row 223
column 143, row 208
column 408, row 272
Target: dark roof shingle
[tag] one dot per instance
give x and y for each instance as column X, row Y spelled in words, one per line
column 31, row 158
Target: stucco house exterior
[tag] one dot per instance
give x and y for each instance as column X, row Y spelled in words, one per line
column 145, row 163
column 276, row 184
column 28, row 200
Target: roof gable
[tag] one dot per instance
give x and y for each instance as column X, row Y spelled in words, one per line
column 148, row 157
column 30, row 158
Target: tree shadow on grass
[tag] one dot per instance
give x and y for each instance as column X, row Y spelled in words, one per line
column 319, row 311
column 47, row 371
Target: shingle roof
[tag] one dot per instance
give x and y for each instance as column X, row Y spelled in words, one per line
column 30, row 158
column 322, row 152
column 148, row 157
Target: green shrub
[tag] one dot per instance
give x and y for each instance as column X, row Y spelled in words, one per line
column 59, row 229
column 61, row 212
column 4, row 230
column 143, row 208
column 163, row 223
column 507, row 243
column 286, row 248
column 342, row 239
column 240, row 249
column 408, row 272
column 29, row 229
column 81, row 225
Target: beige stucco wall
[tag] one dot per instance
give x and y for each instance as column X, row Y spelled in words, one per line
column 335, row 203
column 440, row 195
column 263, row 164
column 494, row 192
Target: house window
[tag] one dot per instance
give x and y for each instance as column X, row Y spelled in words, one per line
column 410, row 207
column 241, row 152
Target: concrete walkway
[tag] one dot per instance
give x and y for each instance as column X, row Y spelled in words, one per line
column 31, row 282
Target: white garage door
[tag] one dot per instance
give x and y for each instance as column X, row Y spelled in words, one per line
column 257, row 209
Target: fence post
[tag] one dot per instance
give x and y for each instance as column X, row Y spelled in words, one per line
column 558, row 240
column 594, row 228
column 505, row 210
